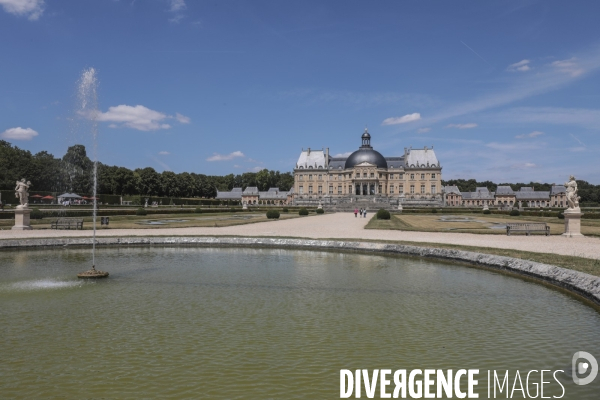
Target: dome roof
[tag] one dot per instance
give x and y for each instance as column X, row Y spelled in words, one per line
column 366, row 154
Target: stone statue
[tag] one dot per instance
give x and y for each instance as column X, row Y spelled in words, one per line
column 22, row 192
column 572, row 198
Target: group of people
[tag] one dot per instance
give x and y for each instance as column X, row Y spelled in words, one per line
column 363, row 213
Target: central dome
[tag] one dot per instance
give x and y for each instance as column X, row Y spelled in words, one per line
column 366, row 154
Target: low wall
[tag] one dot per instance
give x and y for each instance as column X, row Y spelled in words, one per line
column 580, row 283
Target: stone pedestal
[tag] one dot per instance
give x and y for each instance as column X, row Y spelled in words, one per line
column 573, row 222
column 245, row 206
column 22, row 218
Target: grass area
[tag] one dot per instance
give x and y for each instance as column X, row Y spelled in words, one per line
column 476, row 223
column 163, row 221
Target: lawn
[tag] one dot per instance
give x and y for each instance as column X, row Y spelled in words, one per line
column 473, row 223
column 163, row 221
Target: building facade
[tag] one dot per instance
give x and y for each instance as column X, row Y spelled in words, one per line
column 366, row 175
column 505, row 197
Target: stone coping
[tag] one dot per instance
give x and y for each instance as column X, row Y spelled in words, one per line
column 580, row 283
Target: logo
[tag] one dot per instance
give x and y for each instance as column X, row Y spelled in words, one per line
column 580, row 368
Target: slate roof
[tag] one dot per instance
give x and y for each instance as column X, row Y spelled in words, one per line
column 251, row 191
column 504, row 191
column 557, row 189
column 530, row 194
column 311, row 159
column 421, row 158
column 452, row 189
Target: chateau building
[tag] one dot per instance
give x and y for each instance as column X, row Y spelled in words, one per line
column 506, row 197
column 252, row 196
column 367, row 176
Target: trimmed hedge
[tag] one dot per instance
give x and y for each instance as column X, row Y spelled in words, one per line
column 303, row 211
column 36, row 214
column 514, row 213
column 561, row 216
column 434, row 211
column 285, row 210
column 383, row 214
column 320, row 211
column 141, row 211
column 273, row 214
column 487, row 212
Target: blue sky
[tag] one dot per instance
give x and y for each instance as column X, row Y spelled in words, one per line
column 505, row 91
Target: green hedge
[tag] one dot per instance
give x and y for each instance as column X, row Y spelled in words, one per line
column 273, row 214
column 383, row 214
column 303, row 211
column 320, row 211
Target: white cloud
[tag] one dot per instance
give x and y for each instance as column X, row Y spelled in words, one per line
column 529, row 135
column 18, row 133
column 343, row 155
column 569, row 66
column 521, row 66
column 177, row 5
column 33, row 9
column 256, row 169
column 164, row 153
column 182, row 118
column 402, row 120
column 138, row 117
column 462, row 126
column 423, row 130
column 523, row 165
column 225, row 157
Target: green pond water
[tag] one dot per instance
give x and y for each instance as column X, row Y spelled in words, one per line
column 228, row 323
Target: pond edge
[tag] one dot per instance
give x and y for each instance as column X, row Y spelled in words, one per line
column 585, row 285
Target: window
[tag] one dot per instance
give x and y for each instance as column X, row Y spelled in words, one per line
column 412, row 176
column 372, row 175
column 364, row 175
column 401, row 176
column 310, row 177
column 309, row 189
column 301, row 189
column 339, row 189
column 391, row 176
column 422, row 189
column 330, row 189
column 412, row 189
column 432, row 189
column 379, row 175
column 432, row 176
column 301, row 177
column 392, row 189
column 379, row 189
column 320, row 177
column 422, row 177
column 401, row 189
column 320, row 188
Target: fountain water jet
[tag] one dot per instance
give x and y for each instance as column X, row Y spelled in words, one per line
column 88, row 100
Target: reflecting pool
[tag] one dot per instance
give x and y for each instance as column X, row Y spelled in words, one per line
column 187, row 322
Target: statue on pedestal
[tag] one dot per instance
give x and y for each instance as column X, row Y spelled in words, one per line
column 22, row 192
column 572, row 198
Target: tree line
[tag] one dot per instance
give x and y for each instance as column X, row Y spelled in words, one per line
column 588, row 192
column 74, row 173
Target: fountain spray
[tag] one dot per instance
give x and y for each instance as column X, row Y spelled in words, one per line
column 88, row 100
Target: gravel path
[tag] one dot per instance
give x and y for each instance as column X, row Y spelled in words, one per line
column 346, row 226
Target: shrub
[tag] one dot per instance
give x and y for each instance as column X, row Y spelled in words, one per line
column 561, row 215
column 514, row 213
column 303, row 211
column 285, row 210
column 273, row 214
column 198, row 210
column 434, row 210
column 141, row 211
column 36, row 214
column 487, row 212
column 383, row 214
column 320, row 211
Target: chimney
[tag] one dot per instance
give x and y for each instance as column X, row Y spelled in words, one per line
column 327, row 157
column 308, row 151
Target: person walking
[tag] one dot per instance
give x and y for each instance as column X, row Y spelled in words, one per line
column 355, row 212
column 361, row 211
column 365, row 213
